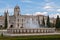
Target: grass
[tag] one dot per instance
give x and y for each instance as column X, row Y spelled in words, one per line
column 41, row 37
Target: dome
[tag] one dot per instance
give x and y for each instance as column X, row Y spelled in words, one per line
column 17, row 7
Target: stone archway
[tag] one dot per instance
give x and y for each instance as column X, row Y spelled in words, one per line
column 11, row 26
column 1, row 26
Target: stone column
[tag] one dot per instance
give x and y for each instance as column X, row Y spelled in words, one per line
column 21, row 30
column 38, row 31
column 28, row 31
column 24, row 30
column 45, row 22
column 42, row 30
column 31, row 30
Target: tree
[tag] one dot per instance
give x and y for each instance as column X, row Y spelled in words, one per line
column 43, row 22
column 48, row 22
column 57, row 25
column 6, row 23
column 38, row 21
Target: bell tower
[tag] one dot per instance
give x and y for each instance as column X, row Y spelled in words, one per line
column 16, row 14
column 16, row 11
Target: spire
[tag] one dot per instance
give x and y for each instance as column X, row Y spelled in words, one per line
column 7, row 11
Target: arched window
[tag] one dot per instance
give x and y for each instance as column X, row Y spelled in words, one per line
column 0, row 26
column 11, row 26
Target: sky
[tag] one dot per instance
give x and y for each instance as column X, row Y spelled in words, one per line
column 31, row 7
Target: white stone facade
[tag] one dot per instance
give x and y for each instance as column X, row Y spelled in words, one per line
column 22, row 21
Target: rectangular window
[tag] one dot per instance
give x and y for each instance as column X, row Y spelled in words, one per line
column 18, row 25
column 18, row 20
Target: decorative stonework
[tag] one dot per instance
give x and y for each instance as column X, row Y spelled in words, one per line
column 40, row 30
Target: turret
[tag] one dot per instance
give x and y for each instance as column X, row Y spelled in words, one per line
column 16, row 11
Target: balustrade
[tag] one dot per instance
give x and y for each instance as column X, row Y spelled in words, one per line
column 47, row 30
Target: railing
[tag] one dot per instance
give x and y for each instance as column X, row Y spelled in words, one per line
column 40, row 30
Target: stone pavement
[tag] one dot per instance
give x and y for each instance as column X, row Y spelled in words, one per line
column 6, row 34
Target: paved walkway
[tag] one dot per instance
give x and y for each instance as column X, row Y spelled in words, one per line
column 31, row 34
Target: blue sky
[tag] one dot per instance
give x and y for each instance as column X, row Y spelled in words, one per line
column 29, row 7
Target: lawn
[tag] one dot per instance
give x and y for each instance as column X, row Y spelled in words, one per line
column 44, row 37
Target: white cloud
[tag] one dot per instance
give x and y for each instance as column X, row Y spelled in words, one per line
column 58, row 10
column 54, row 15
column 28, row 14
column 50, row 6
column 50, row 3
column 7, row 7
column 2, row 10
column 40, row 13
column 47, row 7
column 10, row 10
